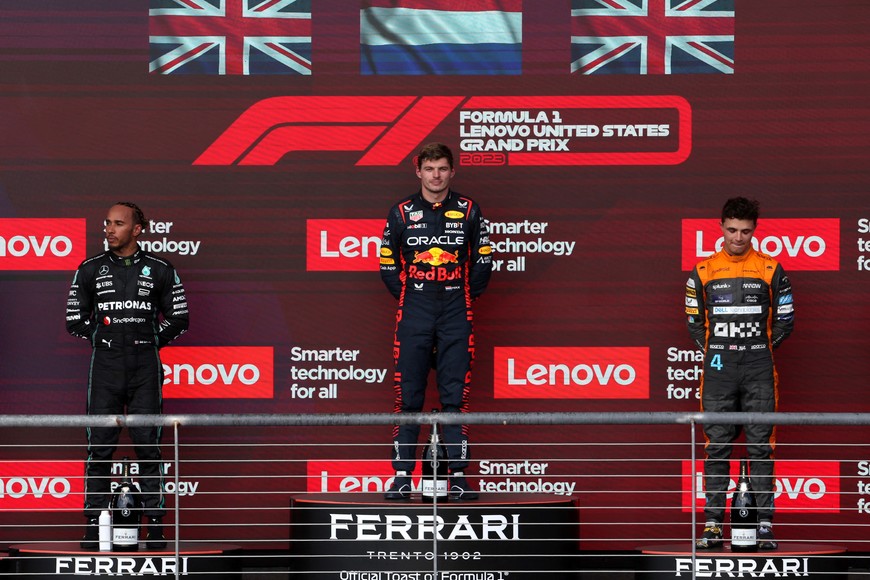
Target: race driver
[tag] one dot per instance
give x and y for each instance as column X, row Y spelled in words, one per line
column 435, row 259
column 739, row 308
column 128, row 304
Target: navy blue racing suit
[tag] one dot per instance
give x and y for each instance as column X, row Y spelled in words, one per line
column 435, row 259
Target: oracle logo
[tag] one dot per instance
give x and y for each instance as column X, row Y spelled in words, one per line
column 218, row 372
column 41, row 486
column 571, row 373
column 800, row 487
column 351, row 477
column 42, row 244
column 797, row 244
column 343, row 244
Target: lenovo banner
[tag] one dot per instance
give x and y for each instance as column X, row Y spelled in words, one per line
column 218, row 372
column 571, row 373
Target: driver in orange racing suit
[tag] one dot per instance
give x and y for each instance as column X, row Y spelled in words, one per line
column 739, row 307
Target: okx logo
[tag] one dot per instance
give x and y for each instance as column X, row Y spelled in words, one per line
column 218, row 372
column 42, row 244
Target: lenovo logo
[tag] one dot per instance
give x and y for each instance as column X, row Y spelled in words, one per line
column 343, row 244
column 41, row 486
column 42, row 244
column 218, row 372
column 571, row 373
column 797, row 244
column 801, row 486
column 351, row 477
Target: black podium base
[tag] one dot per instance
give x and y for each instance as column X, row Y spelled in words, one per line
column 790, row 560
column 68, row 560
column 362, row 536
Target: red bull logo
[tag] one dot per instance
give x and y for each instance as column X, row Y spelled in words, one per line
column 435, row 257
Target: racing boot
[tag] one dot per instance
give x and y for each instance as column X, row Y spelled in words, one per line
column 401, row 488
column 460, row 489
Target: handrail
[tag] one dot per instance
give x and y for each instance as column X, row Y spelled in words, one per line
column 487, row 418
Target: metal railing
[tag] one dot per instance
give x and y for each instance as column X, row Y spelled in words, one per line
column 277, row 471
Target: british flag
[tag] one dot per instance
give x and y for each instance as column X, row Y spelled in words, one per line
column 230, row 37
column 652, row 36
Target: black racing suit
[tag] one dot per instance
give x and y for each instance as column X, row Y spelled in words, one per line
column 739, row 308
column 116, row 304
column 435, row 258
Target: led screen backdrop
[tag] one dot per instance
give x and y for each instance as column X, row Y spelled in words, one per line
column 267, row 140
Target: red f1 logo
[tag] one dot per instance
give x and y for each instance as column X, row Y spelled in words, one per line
column 390, row 128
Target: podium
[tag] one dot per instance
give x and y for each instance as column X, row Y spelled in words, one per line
column 67, row 560
column 363, row 536
column 790, row 560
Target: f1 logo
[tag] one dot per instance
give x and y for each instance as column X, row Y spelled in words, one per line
column 389, row 128
column 270, row 129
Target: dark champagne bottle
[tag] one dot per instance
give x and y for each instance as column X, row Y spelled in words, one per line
column 434, row 484
column 744, row 515
column 125, row 514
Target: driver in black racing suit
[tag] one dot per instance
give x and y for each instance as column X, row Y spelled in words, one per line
column 116, row 301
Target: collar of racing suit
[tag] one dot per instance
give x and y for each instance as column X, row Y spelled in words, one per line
column 437, row 205
column 125, row 260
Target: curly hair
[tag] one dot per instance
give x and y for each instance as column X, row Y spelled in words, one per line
column 138, row 215
column 740, row 208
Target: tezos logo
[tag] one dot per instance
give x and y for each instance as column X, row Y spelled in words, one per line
column 42, row 244
column 218, row 372
column 571, row 373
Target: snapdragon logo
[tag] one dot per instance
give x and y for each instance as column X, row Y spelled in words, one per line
column 571, row 373
column 41, row 244
column 218, row 372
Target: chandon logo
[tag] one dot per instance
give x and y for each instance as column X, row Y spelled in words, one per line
column 389, row 128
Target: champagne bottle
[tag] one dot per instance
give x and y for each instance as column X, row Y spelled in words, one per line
column 744, row 515
column 434, row 484
column 125, row 514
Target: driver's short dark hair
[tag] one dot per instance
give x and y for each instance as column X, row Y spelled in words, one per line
column 740, row 208
column 433, row 152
